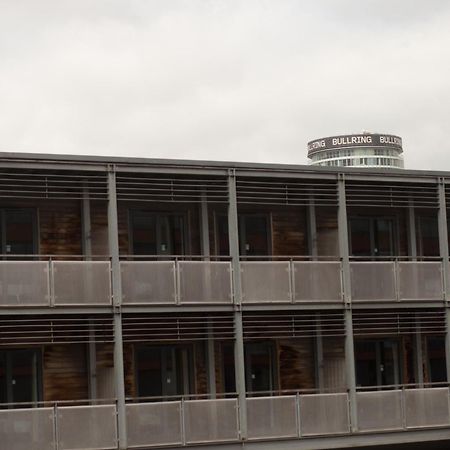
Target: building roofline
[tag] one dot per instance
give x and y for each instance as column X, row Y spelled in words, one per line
column 68, row 159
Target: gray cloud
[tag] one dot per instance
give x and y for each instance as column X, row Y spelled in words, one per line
column 223, row 80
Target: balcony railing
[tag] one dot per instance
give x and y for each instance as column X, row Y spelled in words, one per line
column 184, row 422
column 176, row 282
column 393, row 281
column 202, row 281
column 55, row 283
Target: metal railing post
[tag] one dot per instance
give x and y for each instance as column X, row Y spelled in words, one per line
column 444, row 253
column 233, row 237
column 345, row 258
column 113, row 242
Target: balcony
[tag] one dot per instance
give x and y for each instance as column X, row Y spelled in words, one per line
column 176, row 282
column 55, row 283
column 396, row 281
column 201, row 421
column 198, row 281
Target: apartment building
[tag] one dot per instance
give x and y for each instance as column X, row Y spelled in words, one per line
column 156, row 303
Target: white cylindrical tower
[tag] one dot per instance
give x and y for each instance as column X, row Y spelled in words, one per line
column 357, row 150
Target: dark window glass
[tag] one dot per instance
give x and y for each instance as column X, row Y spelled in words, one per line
column 163, row 371
column 376, row 363
column 144, row 234
column 436, row 359
column 157, row 234
column 228, row 369
column 259, row 359
column 18, row 231
column 360, row 237
column 383, row 233
column 371, row 236
column 3, row 393
column 20, row 377
column 254, row 235
column 223, row 247
column 428, row 236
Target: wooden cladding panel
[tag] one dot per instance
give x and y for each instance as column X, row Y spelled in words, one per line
column 289, row 236
column 327, row 231
column 334, row 377
column 296, row 364
column 99, row 228
column 65, row 373
column 130, row 378
column 60, row 227
column 200, row 369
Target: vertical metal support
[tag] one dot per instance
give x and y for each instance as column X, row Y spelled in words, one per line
column 312, row 228
column 86, row 223
column 113, row 239
column 92, row 363
column 343, row 239
column 319, row 354
column 443, row 238
column 419, row 352
column 233, row 236
column 204, row 225
column 210, row 350
column 87, row 252
column 412, row 243
column 412, row 246
column 211, row 358
column 444, row 253
column 349, row 345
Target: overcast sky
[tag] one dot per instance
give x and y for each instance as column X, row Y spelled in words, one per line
column 248, row 80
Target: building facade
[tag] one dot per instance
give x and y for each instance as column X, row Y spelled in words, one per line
column 154, row 303
column 357, row 150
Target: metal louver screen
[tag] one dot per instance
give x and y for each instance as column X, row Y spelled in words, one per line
column 182, row 189
column 52, row 185
column 384, row 323
column 391, row 194
column 172, row 327
column 294, row 192
column 55, row 330
column 292, row 325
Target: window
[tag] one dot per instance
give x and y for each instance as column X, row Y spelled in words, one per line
column 18, row 230
column 260, row 367
column 436, row 359
column 427, row 236
column 157, row 233
column 20, row 377
column 371, row 236
column 377, row 362
column 254, row 235
column 164, row 371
